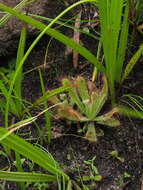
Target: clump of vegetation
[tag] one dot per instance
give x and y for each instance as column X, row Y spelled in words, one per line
column 83, row 103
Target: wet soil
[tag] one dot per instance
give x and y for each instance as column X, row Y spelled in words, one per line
column 70, row 149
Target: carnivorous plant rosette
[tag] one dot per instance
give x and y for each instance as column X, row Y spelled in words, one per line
column 82, row 103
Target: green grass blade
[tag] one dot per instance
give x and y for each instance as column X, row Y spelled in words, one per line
column 130, row 112
column 132, row 62
column 12, row 105
column 26, row 177
column 47, row 114
column 31, row 152
column 122, row 44
column 65, row 24
column 49, row 94
column 18, row 81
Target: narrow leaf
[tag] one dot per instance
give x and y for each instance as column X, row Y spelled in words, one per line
column 132, row 62
column 26, row 177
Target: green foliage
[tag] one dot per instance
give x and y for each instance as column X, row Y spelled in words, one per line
column 47, row 115
column 6, row 77
column 136, row 7
column 83, row 102
column 26, row 177
column 114, row 33
column 132, row 62
column 94, row 173
column 115, row 154
column 15, row 103
column 135, row 106
column 43, row 159
column 18, row 82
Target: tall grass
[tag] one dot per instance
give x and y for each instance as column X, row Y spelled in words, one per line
column 16, row 102
column 114, row 33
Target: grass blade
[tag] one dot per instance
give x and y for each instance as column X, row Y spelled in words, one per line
column 130, row 112
column 132, row 62
column 122, row 44
column 26, row 177
column 18, row 82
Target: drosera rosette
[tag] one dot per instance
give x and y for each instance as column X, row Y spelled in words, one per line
column 83, row 103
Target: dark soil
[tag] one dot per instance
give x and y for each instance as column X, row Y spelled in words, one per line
column 71, row 151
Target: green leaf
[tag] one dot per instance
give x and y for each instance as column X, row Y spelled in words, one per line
column 69, row 186
column 18, row 82
column 26, row 177
column 82, row 90
column 50, row 93
column 130, row 112
column 108, row 118
column 70, row 114
column 97, row 100
column 115, row 154
column 132, row 62
column 96, row 177
column 73, row 94
column 91, row 133
column 122, row 44
column 4, row 91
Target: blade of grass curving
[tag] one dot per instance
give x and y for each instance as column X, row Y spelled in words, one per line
column 132, row 63
column 26, row 177
column 136, row 100
column 12, row 104
column 31, row 152
column 47, row 114
column 65, row 24
column 7, row 16
column 122, row 44
column 18, row 80
column 49, row 94
column 130, row 112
